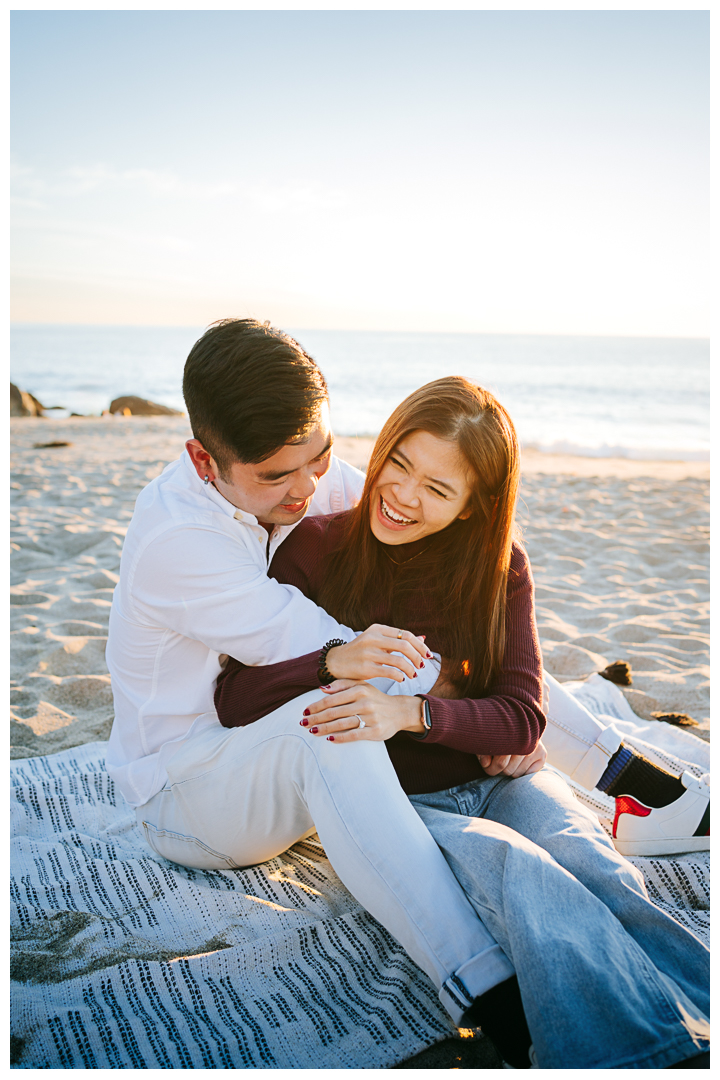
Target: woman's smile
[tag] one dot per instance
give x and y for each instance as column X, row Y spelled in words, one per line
column 391, row 518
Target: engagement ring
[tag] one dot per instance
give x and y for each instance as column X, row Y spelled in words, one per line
column 361, row 722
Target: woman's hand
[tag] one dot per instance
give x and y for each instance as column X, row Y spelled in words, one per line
column 371, row 655
column 514, row 764
column 338, row 717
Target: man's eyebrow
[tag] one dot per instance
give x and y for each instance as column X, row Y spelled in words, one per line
column 440, row 483
column 326, row 449
column 272, row 475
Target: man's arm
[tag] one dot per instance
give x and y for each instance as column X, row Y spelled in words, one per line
column 204, row 585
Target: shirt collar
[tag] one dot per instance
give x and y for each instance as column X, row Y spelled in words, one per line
column 208, row 491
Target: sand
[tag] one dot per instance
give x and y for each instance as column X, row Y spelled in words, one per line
column 619, row 551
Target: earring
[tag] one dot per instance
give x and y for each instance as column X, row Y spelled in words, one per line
column 207, row 479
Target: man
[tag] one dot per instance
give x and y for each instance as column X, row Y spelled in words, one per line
column 194, row 588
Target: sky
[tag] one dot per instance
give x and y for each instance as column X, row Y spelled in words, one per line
column 478, row 171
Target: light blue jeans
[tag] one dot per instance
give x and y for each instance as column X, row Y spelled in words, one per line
column 608, row 980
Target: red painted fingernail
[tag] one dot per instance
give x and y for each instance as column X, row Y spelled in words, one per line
column 304, row 723
column 422, row 663
column 429, row 655
column 326, row 687
column 306, row 712
column 414, row 675
column 313, row 731
column 331, row 738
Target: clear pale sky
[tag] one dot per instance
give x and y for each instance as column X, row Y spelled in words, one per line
column 509, row 172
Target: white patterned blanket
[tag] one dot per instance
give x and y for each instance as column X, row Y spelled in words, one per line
column 123, row 960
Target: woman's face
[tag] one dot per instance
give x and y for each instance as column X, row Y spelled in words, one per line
column 424, row 485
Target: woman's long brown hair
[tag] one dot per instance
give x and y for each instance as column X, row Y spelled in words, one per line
column 463, row 570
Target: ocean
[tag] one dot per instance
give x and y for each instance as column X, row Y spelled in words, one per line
column 593, row 396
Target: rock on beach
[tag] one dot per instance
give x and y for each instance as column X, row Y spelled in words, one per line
column 23, row 403
column 130, row 405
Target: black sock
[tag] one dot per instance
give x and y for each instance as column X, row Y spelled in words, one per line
column 699, row 1061
column 500, row 1014
column 648, row 783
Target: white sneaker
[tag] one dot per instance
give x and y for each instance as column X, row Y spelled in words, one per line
column 682, row 825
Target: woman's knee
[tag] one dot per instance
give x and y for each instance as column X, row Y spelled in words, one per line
column 543, row 795
column 487, row 845
column 546, row 797
column 573, row 835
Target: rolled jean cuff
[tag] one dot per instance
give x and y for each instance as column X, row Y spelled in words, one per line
column 473, row 978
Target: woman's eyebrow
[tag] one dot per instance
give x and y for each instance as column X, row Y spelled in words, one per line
column 440, row 483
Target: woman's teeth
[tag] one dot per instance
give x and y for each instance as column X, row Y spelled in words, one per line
column 393, row 516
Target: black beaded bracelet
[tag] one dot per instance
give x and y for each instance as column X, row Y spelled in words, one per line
column 324, row 675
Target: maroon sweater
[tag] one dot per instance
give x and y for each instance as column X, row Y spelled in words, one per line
column 508, row 720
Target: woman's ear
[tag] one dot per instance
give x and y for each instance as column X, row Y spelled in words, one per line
column 465, row 514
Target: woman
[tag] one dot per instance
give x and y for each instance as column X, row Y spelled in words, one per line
column 430, row 548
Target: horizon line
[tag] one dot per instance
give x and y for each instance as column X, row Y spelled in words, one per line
column 351, row 330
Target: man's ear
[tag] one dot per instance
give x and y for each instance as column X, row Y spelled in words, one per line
column 204, row 464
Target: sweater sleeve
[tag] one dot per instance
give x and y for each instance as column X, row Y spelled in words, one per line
column 509, row 720
column 245, row 694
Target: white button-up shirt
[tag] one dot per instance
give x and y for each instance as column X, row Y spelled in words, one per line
column 194, row 586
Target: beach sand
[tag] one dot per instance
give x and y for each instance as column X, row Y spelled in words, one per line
column 618, row 548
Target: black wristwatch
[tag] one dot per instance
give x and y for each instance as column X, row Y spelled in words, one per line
column 426, row 719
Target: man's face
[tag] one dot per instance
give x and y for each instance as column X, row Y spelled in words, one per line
column 278, row 490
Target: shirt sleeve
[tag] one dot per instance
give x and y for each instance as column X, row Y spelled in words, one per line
column 203, row 584
column 245, row 694
column 509, row 720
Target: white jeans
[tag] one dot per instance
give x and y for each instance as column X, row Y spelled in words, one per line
column 239, row 796
column 576, row 743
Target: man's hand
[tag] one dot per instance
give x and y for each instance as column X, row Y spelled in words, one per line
column 514, row 764
column 444, row 687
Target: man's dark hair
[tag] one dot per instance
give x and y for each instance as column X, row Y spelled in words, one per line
column 250, row 389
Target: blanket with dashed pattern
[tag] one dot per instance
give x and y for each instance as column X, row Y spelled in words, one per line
column 121, row 959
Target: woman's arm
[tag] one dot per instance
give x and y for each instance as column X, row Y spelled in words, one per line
column 244, row 694
column 509, row 720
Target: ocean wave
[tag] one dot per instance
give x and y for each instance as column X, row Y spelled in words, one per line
column 635, row 453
